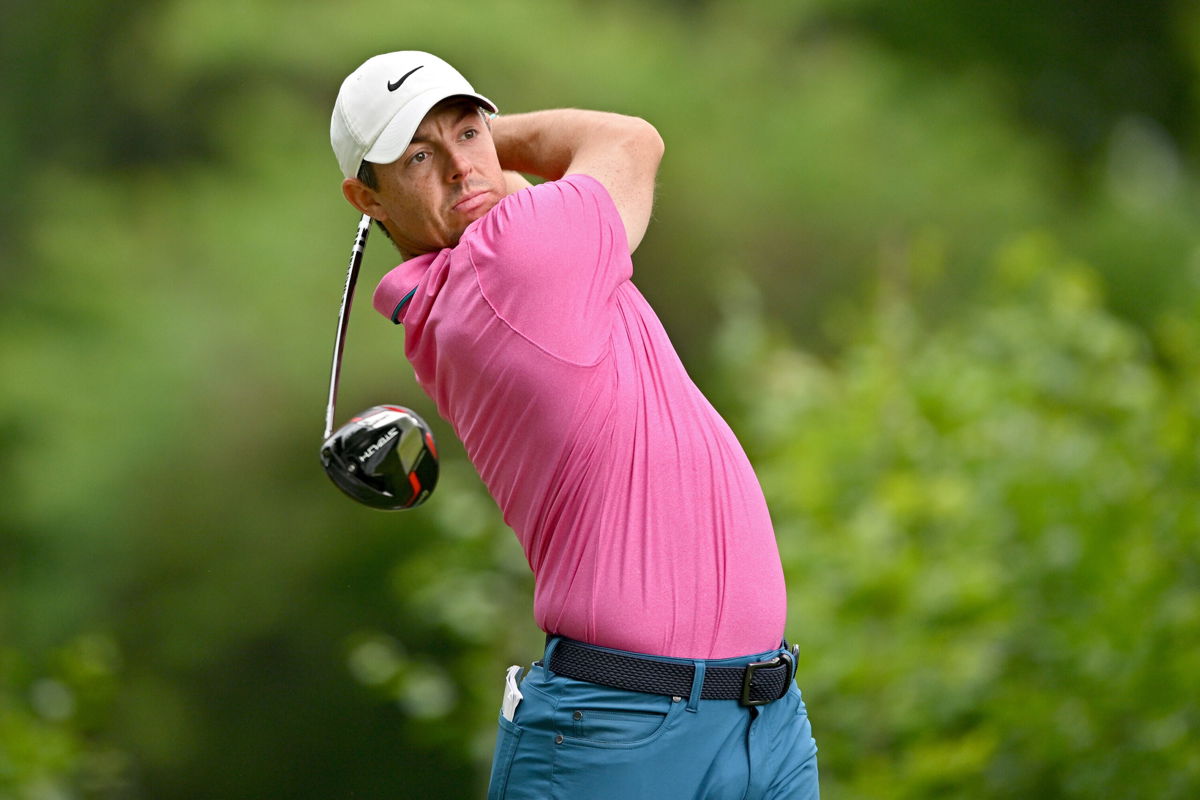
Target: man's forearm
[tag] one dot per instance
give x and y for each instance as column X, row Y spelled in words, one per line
column 544, row 143
column 622, row 153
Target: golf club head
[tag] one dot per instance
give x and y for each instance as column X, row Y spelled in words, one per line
column 384, row 458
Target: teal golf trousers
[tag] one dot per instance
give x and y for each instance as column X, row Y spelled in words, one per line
column 574, row 740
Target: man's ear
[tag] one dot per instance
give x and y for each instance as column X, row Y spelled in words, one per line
column 363, row 198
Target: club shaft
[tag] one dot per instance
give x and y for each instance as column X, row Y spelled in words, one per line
column 335, row 369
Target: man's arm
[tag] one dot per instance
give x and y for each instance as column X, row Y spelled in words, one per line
column 514, row 182
column 621, row 152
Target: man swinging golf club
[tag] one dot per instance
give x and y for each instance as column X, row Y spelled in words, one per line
column 658, row 579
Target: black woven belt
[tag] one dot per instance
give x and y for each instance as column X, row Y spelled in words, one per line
column 751, row 685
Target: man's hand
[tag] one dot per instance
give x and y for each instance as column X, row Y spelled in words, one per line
column 623, row 153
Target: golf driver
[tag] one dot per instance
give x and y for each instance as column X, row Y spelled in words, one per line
column 384, row 457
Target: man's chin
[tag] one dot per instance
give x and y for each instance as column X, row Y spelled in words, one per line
column 465, row 218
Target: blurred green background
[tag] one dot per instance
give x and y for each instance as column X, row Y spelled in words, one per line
column 938, row 263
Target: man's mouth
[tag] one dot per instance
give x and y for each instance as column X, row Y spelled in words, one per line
column 471, row 202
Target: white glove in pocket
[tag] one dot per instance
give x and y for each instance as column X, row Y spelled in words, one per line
column 512, row 694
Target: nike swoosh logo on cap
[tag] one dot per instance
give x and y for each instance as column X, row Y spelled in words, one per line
column 394, row 86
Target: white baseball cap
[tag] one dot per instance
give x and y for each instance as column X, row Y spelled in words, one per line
column 382, row 102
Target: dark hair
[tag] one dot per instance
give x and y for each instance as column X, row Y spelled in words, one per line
column 366, row 174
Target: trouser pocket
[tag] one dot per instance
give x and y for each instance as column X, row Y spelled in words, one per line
column 508, row 736
column 612, row 726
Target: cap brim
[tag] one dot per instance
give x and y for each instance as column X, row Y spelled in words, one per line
column 396, row 137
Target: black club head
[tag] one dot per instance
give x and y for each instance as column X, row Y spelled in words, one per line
column 384, row 457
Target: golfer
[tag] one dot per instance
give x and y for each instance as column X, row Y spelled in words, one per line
column 657, row 575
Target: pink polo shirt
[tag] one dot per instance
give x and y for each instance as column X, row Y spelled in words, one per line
column 638, row 511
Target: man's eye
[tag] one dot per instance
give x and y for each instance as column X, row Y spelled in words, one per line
column 470, row 133
column 418, row 158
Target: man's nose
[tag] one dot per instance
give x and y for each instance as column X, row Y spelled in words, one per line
column 459, row 165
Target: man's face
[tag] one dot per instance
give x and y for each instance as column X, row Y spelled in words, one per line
column 448, row 177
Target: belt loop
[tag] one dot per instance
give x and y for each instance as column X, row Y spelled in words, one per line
column 552, row 641
column 697, row 687
column 792, row 654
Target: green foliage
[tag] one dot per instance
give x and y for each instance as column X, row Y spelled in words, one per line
column 48, row 719
column 954, row 326
column 991, row 535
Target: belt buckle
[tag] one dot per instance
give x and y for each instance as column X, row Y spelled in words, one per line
column 748, row 677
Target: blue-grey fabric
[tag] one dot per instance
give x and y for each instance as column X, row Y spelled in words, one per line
column 573, row 740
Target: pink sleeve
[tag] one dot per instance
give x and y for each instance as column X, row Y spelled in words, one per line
column 548, row 261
